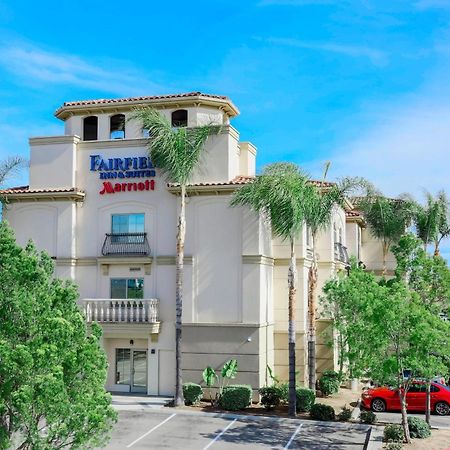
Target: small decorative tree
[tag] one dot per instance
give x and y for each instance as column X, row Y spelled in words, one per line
column 52, row 369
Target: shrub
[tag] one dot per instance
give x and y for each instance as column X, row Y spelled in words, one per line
column 305, row 399
column 367, row 417
column 284, row 391
column 235, row 397
column 393, row 433
column 322, row 412
column 418, row 428
column 393, row 446
column 345, row 414
column 192, row 393
column 271, row 396
column 329, row 383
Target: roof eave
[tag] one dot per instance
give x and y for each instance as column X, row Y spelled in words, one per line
column 225, row 104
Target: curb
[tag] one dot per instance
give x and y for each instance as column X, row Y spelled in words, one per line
column 356, row 411
column 374, row 439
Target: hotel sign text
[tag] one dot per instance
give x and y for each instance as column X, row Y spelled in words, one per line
column 123, row 168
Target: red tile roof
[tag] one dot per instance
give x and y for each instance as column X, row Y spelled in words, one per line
column 102, row 101
column 27, row 190
column 63, row 111
column 244, row 179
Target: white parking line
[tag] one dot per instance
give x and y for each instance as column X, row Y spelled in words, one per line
column 293, row 437
column 220, row 434
column 150, row 431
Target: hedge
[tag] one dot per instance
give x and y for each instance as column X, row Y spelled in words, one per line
column 235, row 397
column 192, row 393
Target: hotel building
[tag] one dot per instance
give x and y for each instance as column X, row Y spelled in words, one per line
column 107, row 217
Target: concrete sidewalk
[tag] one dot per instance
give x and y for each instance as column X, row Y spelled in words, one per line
column 136, row 402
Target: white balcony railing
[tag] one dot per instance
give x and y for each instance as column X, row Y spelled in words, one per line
column 106, row 310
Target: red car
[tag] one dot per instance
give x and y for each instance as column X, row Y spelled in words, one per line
column 384, row 398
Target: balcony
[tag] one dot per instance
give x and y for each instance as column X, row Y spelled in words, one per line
column 340, row 253
column 126, row 244
column 122, row 311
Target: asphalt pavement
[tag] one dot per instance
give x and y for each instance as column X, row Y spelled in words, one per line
column 396, row 417
column 176, row 429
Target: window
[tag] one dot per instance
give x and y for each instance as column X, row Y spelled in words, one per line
column 127, row 288
column 117, row 126
column 127, row 223
column 90, row 128
column 123, row 366
column 180, row 118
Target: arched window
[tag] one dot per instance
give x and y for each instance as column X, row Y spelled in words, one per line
column 90, row 128
column 117, row 126
column 179, row 118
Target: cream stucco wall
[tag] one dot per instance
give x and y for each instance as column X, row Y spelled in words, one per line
column 235, row 299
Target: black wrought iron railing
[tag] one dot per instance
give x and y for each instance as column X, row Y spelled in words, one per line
column 340, row 253
column 126, row 244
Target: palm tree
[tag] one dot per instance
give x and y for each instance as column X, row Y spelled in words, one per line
column 176, row 152
column 388, row 218
column 432, row 219
column 318, row 204
column 277, row 194
column 9, row 167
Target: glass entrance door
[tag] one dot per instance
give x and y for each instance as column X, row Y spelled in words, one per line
column 139, row 371
column 131, row 369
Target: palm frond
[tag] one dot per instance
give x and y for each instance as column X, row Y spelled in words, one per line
column 10, row 166
column 277, row 193
column 175, row 151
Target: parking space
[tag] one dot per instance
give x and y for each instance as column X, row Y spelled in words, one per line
column 173, row 429
column 396, row 417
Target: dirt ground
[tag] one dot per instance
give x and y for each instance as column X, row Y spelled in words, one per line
column 343, row 397
column 337, row 401
column 439, row 440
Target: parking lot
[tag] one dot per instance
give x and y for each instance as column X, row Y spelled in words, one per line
column 173, row 429
column 436, row 421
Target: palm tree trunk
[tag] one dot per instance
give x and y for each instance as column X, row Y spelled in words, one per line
column 436, row 247
column 181, row 232
column 385, row 252
column 292, row 282
column 312, row 287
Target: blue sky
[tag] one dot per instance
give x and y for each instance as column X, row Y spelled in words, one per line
column 362, row 83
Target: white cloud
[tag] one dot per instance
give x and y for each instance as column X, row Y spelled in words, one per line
column 32, row 65
column 406, row 149
column 377, row 57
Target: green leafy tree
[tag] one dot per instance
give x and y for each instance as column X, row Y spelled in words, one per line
column 177, row 153
column 429, row 277
column 277, row 194
column 52, row 369
column 387, row 330
column 317, row 206
column 388, row 218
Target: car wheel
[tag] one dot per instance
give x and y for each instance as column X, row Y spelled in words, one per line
column 378, row 405
column 442, row 408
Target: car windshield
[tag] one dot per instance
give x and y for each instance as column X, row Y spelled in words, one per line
column 443, row 386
